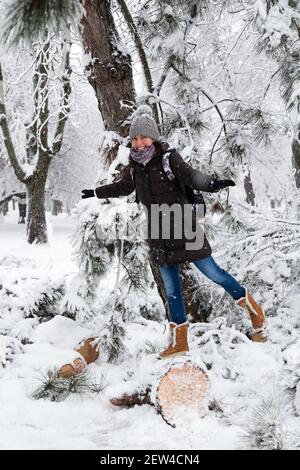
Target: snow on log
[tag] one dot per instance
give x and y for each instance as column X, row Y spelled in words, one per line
column 180, row 388
column 88, row 350
column 141, row 397
column 88, row 353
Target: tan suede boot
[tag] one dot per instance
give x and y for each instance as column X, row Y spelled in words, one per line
column 178, row 343
column 257, row 316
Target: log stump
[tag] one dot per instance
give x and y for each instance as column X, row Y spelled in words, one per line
column 182, row 387
column 75, row 368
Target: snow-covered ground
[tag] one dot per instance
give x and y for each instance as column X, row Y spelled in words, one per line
column 242, row 374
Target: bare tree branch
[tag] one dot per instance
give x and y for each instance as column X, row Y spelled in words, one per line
column 21, row 175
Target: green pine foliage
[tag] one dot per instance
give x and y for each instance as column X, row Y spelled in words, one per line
column 112, row 233
column 136, row 266
column 46, row 305
column 290, row 77
column 279, row 28
column 42, row 299
column 111, row 339
column 54, row 388
column 91, row 251
column 77, row 301
column 31, row 19
column 162, row 21
column 268, row 428
column 9, row 346
column 255, row 126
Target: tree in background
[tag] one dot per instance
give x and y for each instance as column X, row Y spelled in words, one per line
column 50, row 91
column 278, row 23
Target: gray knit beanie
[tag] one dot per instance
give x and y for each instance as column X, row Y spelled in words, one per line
column 143, row 123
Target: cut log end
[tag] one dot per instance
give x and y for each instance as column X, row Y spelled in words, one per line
column 75, row 368
column 66, row 371
column 183, row 388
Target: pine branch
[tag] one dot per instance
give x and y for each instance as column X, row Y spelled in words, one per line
column 31, row 19
column 54, row 388
column 268, row 428
column 111, row 338
column 138, row 43
column 290, row 79
column 205, row 93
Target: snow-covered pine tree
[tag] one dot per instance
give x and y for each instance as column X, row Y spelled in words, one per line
column 93, row 251
column 29, row 20
column 269, row 427
column 109, row 237
column 278, row 23
column 111, row 339
column 27, row 293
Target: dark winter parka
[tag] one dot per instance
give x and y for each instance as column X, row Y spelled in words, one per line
column 152, row 186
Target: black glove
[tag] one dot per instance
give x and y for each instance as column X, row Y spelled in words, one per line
column 87, row 193
column 216, row 185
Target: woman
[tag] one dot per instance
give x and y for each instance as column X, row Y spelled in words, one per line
column 146, row 175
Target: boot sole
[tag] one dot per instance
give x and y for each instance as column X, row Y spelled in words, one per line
column 183, row 353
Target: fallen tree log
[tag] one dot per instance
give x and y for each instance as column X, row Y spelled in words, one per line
column 182, row 387
column 88, row 353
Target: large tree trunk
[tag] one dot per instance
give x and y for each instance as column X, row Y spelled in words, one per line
column 195, row 304
column 36, row 219
column 111, row 72
column 183, row 388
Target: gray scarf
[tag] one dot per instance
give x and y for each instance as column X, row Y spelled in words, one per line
column 142, row 156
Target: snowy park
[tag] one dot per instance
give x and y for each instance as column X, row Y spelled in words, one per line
column 149, row 225
column 245, row 378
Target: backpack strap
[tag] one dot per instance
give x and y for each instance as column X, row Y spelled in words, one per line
column 195, row 196
column 131, row 169
column 166, row 165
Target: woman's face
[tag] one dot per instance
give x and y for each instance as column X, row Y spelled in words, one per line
column 139, row 142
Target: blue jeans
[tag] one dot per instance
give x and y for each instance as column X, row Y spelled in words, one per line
column 208, row 266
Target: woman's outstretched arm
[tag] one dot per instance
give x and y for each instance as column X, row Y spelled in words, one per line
column 124, row 187
column 194, row 178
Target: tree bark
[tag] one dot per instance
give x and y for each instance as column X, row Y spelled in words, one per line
column 296, row 156
column 110, row 67
column 36, row 218
column 184, row 386
column 195, row 304
column 141, row 52
column 250, row 195
column 248, row 186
